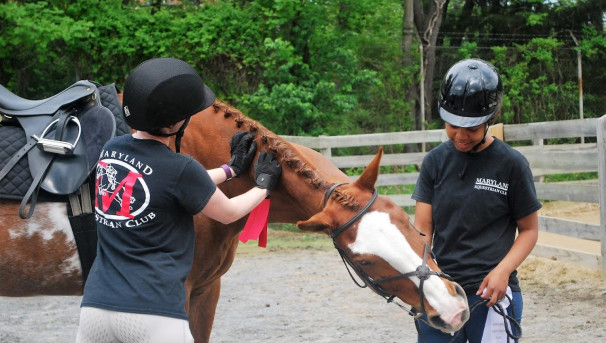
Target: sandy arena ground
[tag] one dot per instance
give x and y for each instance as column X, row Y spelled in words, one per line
column 305, row 295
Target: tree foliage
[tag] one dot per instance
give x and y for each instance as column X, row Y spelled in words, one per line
column 313, row 67
column 532, row 44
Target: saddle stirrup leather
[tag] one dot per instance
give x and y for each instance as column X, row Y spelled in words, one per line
column 60, row 123
column 32, row 193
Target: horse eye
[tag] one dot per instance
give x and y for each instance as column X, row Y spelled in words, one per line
column 363, row 262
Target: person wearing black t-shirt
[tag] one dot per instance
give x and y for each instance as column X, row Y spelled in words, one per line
column 146, row 199
column 473, row 195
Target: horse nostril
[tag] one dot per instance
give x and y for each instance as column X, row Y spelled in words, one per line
column 460, row 291
column 465, row 316
column 437, row 322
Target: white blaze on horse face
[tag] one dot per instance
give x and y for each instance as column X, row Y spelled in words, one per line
column 50, row 220
column 377, row 235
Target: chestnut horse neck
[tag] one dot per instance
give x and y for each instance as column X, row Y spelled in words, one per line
column 306, row 174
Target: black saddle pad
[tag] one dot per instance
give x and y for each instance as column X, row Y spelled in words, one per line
column 18, row 180
column 109, row 99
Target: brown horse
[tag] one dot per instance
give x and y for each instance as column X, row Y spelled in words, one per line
column 38, row 256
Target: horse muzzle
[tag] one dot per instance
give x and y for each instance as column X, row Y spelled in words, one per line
column 456, row 317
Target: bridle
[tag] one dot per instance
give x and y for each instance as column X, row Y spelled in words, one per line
column 422, row 272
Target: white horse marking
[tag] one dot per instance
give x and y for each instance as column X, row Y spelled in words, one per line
column 50, row 219
column 378, row 236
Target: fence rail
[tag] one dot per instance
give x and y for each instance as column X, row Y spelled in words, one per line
column 545, row 159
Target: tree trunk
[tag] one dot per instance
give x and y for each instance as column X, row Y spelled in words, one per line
column 408, row 33
column 428, row 17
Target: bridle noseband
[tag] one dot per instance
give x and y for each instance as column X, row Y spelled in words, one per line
column 422, row 272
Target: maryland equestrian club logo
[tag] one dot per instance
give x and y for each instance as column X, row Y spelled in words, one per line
column 491, row 185
column 122, row 193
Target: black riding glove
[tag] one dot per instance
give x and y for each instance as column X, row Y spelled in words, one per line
column 267, row 172
column 243, row 150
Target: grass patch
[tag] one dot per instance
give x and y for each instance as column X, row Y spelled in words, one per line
column 572, row 177
column 282, row 240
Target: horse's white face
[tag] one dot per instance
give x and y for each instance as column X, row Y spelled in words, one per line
column 378, row 236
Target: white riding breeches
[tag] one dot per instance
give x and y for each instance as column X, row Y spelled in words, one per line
column 103, row 326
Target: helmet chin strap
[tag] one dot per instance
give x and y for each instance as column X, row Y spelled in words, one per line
column 178, row 134
column 474, row 149
column 477, row 146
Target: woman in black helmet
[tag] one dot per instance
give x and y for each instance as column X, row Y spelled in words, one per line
column 473, row 193
column 146, row 197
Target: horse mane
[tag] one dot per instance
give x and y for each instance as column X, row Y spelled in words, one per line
column 346, row 200
column 284, row 153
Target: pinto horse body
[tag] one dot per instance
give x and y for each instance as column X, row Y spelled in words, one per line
column 38, row 256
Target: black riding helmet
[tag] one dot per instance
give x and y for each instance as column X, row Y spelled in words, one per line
column 471, row 93
column 163, row 91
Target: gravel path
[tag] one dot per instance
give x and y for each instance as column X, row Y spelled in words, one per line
column 307, row 296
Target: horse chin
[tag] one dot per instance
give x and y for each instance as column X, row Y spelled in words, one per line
column 452, row 324
column 455, row 320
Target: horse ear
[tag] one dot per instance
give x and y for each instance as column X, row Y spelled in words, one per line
column 318, row 222
column 369, row 177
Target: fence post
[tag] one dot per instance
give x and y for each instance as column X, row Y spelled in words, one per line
column 539, row 141
column 326, row 151
column 496, row 130
column 601, row 141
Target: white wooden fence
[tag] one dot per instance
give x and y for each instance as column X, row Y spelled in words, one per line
column 544, row 159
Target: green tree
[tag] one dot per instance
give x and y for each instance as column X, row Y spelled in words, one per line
column 317, row 67
column 530, row 42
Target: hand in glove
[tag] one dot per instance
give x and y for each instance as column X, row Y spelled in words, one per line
column 267, row 172
column 243, row 149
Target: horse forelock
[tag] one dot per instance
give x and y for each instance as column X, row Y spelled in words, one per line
column 345, row 200
column 282, row 149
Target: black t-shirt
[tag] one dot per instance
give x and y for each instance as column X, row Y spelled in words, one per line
column 146, row 197
column 476, row 199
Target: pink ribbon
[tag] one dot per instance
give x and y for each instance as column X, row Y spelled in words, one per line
column 256, row 225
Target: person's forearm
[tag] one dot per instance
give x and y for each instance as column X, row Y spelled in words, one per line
column 522, row 247
column 246, row 202
column 226, row 210
column 424, row 221
column 218, row 175
column 528, row 233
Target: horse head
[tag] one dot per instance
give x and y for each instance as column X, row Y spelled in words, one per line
column 376, row 239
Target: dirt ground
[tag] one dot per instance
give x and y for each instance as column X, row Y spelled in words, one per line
column 305, row 295
column 578, row 211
